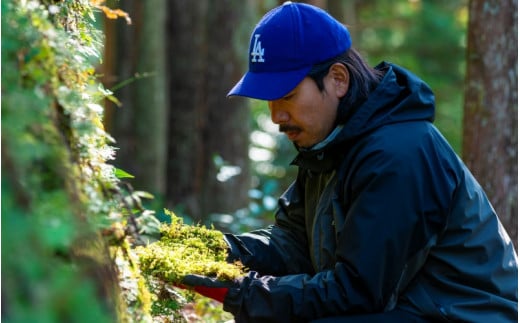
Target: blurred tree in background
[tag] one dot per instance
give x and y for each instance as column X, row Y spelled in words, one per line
column 490, row 107
column 208, row 168
column 180, row 136
column 134, row 69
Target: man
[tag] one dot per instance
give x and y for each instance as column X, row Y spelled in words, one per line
column 383, row 223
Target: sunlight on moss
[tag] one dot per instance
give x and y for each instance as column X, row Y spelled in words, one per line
column 184, row 250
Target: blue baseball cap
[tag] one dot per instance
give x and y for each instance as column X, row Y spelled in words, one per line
column 287, row 42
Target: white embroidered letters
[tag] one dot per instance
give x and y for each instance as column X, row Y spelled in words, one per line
column 258, row 52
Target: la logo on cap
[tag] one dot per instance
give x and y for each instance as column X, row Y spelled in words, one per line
column 258, row 52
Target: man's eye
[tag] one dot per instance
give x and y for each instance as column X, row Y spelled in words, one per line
column 288, row 97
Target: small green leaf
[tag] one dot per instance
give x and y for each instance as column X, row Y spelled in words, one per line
column 114, row 100
column 119, row 173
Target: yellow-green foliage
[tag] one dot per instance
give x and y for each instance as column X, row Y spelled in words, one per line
column 61, row 199
column 185, row 249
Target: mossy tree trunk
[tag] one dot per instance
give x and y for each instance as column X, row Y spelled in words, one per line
column 490, row 108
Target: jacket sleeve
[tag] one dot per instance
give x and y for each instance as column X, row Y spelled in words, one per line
column 397, row 200
column 281, row 249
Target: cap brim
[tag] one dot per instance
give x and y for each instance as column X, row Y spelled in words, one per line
column 268, row 86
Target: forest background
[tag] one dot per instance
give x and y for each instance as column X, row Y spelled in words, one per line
column 100, row 114
column 221, row 161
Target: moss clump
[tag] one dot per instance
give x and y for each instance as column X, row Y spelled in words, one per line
column 185, row 249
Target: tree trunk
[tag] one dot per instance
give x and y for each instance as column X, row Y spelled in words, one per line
column 151, row 111
column 345, row 11
column 318, row 3
column 135, row 57
column 490, row 108
column 227, row 134
column 202, row 67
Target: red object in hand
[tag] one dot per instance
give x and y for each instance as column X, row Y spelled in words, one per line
column 217, row 293
column 208, row 286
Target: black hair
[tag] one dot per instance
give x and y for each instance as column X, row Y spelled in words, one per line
column 363, row 79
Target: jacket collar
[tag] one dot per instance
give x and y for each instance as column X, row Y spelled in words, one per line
column 323, row 157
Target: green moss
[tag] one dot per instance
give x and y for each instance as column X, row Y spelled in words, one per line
column 184, row 250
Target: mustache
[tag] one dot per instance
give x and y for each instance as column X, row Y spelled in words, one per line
column 286, row 128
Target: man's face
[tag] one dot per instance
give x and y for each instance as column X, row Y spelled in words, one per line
column 306, row 115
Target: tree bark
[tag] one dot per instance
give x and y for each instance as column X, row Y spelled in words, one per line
column 490, row 109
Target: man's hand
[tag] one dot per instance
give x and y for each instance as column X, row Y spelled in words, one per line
column 208, row 286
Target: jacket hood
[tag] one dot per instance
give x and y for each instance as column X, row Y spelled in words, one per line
column 401, row 96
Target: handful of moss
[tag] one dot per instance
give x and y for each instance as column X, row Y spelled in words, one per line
column 185, row 249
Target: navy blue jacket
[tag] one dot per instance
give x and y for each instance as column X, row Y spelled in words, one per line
column 385, row 216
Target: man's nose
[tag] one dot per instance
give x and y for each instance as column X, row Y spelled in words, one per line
column 278, row 114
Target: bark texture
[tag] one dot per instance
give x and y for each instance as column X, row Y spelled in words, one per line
column 490, row 109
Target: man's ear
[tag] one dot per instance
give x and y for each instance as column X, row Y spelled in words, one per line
column 341, row 79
